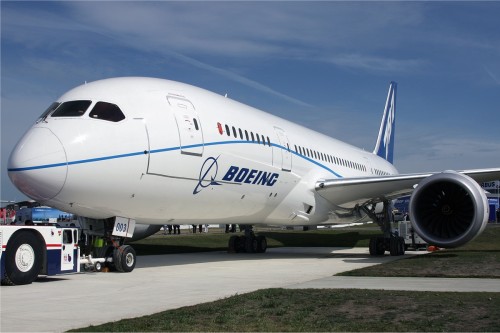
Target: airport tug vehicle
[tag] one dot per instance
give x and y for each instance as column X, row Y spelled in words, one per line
column 32, row 250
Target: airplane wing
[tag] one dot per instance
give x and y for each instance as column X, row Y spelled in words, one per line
column 366, row 190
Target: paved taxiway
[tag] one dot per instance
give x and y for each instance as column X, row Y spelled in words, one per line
column 170, row 281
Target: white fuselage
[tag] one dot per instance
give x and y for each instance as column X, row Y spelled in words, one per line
column 182, row 155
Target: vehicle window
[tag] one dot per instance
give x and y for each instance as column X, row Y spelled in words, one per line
column 107, row 111
column 49, row 110
column 71, row 109
column 67, row 237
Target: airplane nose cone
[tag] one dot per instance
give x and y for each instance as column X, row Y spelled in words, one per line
column 38, row 165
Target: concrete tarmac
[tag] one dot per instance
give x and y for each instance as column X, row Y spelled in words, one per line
column 158, row 283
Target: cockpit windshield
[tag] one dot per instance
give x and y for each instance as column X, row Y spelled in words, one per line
column 49, row 110
column 71, row 109
column 107, row 111
column 101, row 110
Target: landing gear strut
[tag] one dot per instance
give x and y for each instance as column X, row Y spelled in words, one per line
column 389, row 241
column 249, row 243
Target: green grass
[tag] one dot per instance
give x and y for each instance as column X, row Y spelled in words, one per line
column 478, row 259
column 311, row 310
column 341, row 310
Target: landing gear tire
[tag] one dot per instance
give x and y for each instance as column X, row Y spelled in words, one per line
column 244, row 244
column 397, row 246
column 377, row 246
column 23, row 259
column 261, row 244
column 251, row 245
column 124, row 258
column 233, row 244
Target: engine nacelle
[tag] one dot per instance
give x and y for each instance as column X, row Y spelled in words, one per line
column 144, row 230
column 448, row 209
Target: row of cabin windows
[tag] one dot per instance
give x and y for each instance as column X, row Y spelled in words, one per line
column 380, row 172
column 243, row 134
column 329, row 158
column 249, row 136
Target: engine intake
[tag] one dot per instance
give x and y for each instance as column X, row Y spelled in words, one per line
column 448, row 209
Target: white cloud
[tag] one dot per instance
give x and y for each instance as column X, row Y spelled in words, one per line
column 378, row 64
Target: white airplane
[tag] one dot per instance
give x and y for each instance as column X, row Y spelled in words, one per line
column 158, row 152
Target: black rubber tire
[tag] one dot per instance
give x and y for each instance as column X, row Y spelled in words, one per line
column 251, row 244
column 373, row 246
column 261, row 244
column 124, row 258
column 394, row 246
column 381, row 248
column 241, row 248
column 377, row 246
column 402, row 246
column 15, row 274
column 233, row 244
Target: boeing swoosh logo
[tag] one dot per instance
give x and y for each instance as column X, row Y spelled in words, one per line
column 208, row 173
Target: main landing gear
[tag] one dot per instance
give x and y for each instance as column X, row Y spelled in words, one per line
column 394, row 244
column 389, row 241
column 249, row 243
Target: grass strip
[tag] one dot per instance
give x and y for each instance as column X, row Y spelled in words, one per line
column 309, row 310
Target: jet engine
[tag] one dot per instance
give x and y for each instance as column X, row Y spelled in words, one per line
column 448, row 209
column 145, row 230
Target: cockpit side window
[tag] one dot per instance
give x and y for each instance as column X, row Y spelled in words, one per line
column 49, row 110
column 107, row 111
column 72, row 109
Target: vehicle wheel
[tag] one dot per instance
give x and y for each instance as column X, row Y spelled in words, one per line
column 23, row 259
column 98, row 267
column 124, row 258
column 261, row 244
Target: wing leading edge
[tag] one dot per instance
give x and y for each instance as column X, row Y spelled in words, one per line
column 349, row 192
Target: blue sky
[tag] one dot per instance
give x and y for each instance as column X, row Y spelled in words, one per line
column 326, row 65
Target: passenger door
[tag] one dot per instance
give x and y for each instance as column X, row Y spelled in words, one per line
column 286, row 154
column 189, row 126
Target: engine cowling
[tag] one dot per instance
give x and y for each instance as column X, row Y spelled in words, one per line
column 448, row 209
column 144, row 230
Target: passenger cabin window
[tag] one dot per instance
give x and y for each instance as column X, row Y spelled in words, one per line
column 107, row 111
column 72, row 109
